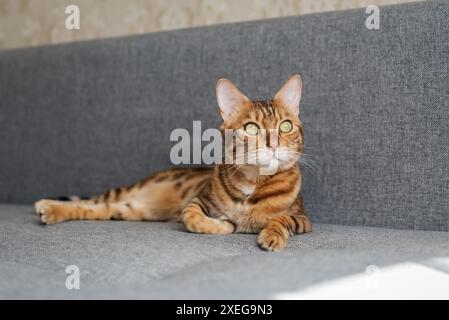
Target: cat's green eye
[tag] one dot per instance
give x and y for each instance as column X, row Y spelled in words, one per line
column 251, row 128
column 286, row 126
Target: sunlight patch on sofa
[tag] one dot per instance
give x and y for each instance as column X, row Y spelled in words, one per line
column 407, row 280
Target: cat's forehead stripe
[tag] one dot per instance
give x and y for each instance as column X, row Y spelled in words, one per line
column 266, row 107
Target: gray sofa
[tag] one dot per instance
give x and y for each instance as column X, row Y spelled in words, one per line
column 80, row 118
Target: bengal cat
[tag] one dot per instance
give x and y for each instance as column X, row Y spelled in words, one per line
column 228, row 197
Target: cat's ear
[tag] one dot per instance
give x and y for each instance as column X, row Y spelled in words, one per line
column 229, row 98
column 290, row 94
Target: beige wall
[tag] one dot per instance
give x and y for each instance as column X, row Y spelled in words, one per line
column 35, row 22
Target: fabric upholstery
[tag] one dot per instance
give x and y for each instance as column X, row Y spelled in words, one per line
column 81, row 118
column 138, row 260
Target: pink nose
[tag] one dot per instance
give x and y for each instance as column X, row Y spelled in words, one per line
column 273, row 145
column 272, row 140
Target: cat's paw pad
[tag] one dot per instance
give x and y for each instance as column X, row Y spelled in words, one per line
column 271, row 241
column 45, row 212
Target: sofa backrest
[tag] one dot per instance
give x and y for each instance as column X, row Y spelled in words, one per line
column 81, row 118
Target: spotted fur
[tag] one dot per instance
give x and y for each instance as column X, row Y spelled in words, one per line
column 223, row 199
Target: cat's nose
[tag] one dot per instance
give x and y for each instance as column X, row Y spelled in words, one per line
column 273, row 145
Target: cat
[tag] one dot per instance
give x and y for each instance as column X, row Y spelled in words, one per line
column 227, row 198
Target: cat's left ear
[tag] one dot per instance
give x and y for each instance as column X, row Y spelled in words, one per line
column 290, row 94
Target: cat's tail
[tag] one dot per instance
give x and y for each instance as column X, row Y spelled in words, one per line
column 111, row 195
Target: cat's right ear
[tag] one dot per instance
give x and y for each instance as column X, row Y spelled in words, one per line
column 229, row 98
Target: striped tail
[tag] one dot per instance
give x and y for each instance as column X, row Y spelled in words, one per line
column 70, row 198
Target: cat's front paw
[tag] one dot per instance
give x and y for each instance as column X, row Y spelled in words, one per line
column 272, row 241
column 46, row 212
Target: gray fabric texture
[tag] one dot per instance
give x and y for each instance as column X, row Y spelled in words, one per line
column 81, row 118
column 160, row 260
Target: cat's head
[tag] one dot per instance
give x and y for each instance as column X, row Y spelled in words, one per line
column 270, row 131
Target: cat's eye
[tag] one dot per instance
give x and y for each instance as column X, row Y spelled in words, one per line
column 251, row 128
column 286, row 126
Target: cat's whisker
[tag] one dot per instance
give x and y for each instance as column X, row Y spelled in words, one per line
column 310, row 162
column 236, row 169
column 308, row 165
column 305, row 160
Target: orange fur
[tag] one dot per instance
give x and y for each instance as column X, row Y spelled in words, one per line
column 225, row 199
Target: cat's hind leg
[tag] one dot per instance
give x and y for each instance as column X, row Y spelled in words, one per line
column 53, row 211
column 195, row 219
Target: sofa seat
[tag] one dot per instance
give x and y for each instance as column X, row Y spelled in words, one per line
column 158, row 260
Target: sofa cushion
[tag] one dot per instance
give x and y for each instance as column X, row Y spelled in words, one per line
column 120, row 259
column 80, row 118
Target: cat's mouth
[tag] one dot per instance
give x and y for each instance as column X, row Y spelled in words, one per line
column 272, row 161
column 267, row 155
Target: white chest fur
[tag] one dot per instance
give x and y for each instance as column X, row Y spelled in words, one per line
column 247, row 190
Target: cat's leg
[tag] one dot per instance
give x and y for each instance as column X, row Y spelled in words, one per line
column 195, row 219
column 159, row 197
column 52, row 211
column 274, row 236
